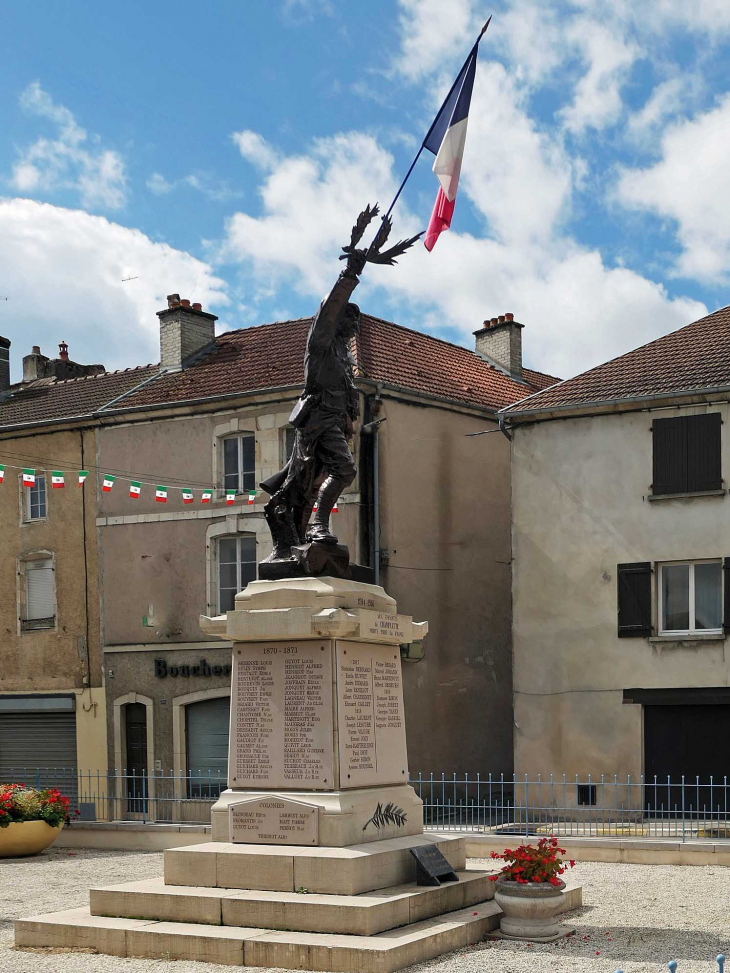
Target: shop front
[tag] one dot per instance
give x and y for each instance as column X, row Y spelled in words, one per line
column 169, row 716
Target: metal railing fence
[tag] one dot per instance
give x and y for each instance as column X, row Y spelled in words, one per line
column 584, row 806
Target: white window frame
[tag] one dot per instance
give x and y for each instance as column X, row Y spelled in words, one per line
column 692, row 630
column 233, row 537
column 25, row 495
column 239, row 437
column 22, row 593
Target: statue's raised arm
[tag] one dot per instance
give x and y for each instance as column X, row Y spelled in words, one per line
column 321, row 464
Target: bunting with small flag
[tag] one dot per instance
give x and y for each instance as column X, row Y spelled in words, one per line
column 230, row 497
column 251, row 498
column 206, row 496
column 135, row 488
column 107, row 483
column 57, row 480
column 82, row 477
column 28, row 478
column 187, row 495
column 161, row 494
column 2, row 473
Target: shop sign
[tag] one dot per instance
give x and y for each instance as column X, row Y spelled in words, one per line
column 203, row 668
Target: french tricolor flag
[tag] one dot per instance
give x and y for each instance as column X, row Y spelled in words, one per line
column 446, row 139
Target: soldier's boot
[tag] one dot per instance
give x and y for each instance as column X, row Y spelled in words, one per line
column 281, row 524
column 319, row 531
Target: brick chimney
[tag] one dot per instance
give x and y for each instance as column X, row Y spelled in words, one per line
column 500, row 341
column 4, row 364
column 185, row 330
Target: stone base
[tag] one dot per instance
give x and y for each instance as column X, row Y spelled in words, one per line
column 344, row 816
column 329, row 909
column 329, row 871
column 385, row 952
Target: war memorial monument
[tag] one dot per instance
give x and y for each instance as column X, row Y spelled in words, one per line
column 318, row 859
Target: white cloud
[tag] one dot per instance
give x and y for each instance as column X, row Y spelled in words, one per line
column 689, row 185
column 255, row 149
column 597, row 95
column 432, row 32
column 63, row 273
column 204, row 183
column 65, row 162
column 578, row 310
column 158, row 185
column 665, row 101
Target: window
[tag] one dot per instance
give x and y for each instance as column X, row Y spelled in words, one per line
column 687, row 454
column 690, row 598
column 34, row 500
column 239, row 463
column 38, row 607
column 206, row 729
column 236, row 567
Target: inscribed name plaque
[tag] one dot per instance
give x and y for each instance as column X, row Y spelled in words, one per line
column 385, row 627
column 372, row 734
column 273, row 821
column 281, row 716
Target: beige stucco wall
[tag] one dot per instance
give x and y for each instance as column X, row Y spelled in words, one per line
column 445, row 524
column 50, row 659
column 163, row 555
column 580, row 507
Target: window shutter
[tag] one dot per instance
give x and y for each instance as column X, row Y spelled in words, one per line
column 726, row 595
column 40, row 600
column 634, row 600
column 687, row 454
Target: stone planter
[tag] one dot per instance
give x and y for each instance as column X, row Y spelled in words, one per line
column 530, row 911
column 26, row 838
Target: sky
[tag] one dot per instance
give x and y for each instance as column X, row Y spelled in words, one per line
column 223, row 150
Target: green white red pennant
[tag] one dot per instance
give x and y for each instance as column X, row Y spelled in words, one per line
column 2, row 473
column 135, row 488
column 107, row 483
column 161, row 494
column 28, row 478
column 251, row 498
column 206, row 496
column 82, row 476
column 57, row 480
column 188, row 496
column 230, row 497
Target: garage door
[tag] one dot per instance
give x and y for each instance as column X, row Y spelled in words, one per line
column 687, row 741
column 207, row 746
column 38, row 748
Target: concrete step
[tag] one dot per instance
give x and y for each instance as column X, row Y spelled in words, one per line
column 385, row 952
column 363, row 915
column 329, row 871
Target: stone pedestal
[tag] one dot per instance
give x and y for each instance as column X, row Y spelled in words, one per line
column 317, row 714
column 311, row 863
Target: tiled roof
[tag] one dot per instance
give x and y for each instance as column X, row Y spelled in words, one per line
column 696, row 357
column 47, row 399
column 271, row 356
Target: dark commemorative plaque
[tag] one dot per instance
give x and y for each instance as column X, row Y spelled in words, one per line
column 431, row 866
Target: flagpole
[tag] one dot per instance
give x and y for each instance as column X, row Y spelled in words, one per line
column 438, row 113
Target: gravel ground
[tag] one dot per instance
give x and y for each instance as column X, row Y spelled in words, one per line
column 635, row 917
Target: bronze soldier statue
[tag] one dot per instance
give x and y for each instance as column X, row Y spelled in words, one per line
column 321, row 464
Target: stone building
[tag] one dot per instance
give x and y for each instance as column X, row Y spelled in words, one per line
column 52, row 700
column 621, row 595
column 428, row 512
